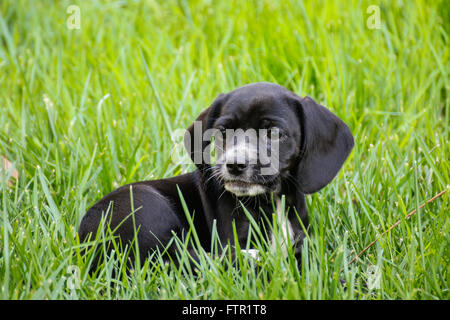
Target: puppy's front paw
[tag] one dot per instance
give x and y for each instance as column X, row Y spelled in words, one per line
column 253, row 253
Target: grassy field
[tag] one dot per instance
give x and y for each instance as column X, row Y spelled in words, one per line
column 86, row 110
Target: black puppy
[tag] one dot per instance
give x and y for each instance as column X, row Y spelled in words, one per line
column 308, row 149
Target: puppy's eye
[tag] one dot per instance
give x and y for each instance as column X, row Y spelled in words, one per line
column 222, row 130
column 265, row 124
column 275, row 133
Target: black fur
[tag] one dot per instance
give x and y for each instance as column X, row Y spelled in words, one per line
column 315, row 146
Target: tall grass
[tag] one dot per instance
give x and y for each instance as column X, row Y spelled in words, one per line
column 84, row 111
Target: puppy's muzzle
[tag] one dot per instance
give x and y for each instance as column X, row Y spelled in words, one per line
column 238, row 168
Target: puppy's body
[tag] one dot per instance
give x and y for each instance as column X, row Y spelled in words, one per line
column 158, row 212
column 312, row 146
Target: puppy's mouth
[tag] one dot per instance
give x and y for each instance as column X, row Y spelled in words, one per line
column 242, row 188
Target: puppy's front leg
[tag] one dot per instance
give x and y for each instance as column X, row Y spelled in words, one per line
column 253, row 253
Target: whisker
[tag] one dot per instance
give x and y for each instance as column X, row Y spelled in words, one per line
column 223, row 192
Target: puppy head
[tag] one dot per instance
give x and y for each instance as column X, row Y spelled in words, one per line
column 266, row 136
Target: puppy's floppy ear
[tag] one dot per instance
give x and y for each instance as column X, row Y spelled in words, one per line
column 326, row 144
column 193, row 138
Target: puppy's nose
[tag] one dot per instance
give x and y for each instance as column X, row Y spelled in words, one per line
column 236, row 168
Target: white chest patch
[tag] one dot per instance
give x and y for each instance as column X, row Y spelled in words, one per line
column 284, row 230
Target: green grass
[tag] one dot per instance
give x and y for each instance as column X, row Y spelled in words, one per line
column 85, row 111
